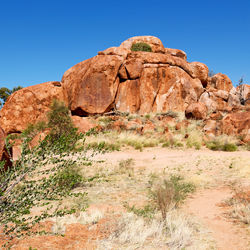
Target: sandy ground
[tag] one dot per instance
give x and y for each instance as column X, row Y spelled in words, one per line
column 213, row 173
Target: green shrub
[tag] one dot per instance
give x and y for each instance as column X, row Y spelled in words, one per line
column 230, row 147
column 60, row 121
column 222, row 144
column 147, row 211
column 141, row 47
column 68, row 178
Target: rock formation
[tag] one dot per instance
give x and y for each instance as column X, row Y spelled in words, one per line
column 118, row 79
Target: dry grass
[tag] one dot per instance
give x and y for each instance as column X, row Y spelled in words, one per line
column 177, row 231
column 240, row 205
column 91, row 217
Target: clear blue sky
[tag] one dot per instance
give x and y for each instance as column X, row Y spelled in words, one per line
column 40, row 40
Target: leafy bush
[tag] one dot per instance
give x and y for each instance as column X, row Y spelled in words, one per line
column 43, row 176
column 68, row 178
column 141, row 47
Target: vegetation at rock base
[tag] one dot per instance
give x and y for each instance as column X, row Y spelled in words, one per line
column 43, row 176
column 223, row 143
column 141, row 47
column 5, row 93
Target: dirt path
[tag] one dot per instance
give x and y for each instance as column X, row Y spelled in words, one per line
column 206, row 206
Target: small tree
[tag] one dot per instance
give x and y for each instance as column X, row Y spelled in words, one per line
column 5, row 93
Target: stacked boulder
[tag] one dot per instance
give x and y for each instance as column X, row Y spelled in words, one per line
column 135, row 82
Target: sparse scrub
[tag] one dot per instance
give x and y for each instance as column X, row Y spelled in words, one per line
column 171, row 193
column 148, row 211
column 194, row 139
column 170, row 113
column 223, row 143
column 240, row 206
column 83, row 218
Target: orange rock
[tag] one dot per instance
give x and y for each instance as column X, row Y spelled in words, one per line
column 90, row 86
column 123, row 73
column 237, row 123
column 182, row 124
column 216, row 116
column 134, row 68
column 134, row 125
column 28, row 106
column 196, row 111
column 118, row 125
column 148, row 127
column 84, row 124
column 118, row 51
column 200, row 71
column 211, row 127
column 221, row 81
column 128, row 96
column 176, row 52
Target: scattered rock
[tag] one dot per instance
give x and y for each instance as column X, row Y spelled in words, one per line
column 84, row 124
column 237, row 123
column 196, row 111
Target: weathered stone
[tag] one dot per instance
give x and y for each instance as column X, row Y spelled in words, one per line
column 134, row 68
column 234, row 99
column 172, row 88
column 118, row 51
column 176, row 52
column 200, row 71
column 128, row 96
column 28, row 106
column 221, row 81
column 196, row 111
column 91, row 86
column 210, row 127
column 237, row 123
column 123, row 73
column 83, row 124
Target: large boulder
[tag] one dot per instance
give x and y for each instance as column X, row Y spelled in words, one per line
column 172, row 88
column 237, row 123
column 90, row 87
column 29, row 105
column 222, row 82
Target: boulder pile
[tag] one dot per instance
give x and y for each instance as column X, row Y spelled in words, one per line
column 118, row 79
